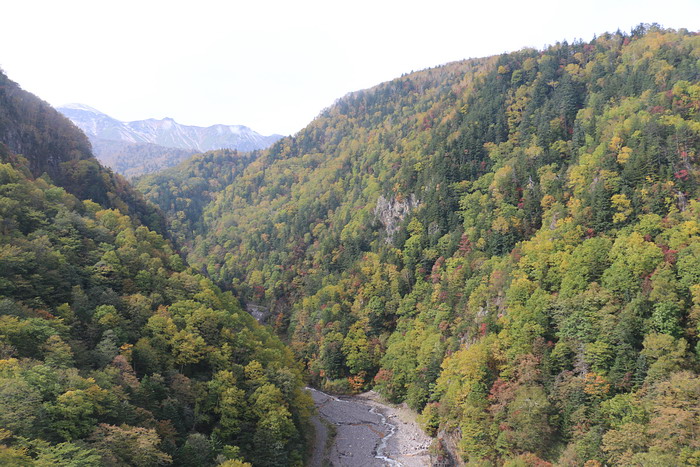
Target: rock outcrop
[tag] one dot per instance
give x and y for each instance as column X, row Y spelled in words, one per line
column 391, row 212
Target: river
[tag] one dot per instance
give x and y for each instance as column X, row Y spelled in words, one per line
column 361, row 431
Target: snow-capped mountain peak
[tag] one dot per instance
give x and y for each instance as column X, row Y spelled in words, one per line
column 83, row 107
column 165, row 132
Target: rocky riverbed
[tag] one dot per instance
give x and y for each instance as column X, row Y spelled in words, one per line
column 362, row 431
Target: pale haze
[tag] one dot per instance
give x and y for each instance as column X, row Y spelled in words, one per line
column 274, row 65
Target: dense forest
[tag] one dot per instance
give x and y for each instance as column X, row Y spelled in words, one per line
column 185, row 191
column 113, row 352
column 510, row 245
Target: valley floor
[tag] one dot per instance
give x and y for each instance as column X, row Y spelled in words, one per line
column 362, row 431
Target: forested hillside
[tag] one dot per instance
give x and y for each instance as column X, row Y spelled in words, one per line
column 511, row 245
column 113, row 352
column 50, row 144
column 185, row 191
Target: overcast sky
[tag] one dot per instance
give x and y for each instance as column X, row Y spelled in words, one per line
column 274, row 65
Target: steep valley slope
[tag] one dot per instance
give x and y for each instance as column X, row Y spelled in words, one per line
column 113, row 351
column 511, row 245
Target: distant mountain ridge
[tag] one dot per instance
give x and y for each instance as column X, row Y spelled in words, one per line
column 148, row 146
column 165, row 132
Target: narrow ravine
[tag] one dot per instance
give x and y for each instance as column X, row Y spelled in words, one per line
column 361, row 431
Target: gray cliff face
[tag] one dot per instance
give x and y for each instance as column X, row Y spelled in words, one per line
column 391, row 212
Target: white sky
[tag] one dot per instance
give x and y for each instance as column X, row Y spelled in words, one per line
column 273, row 65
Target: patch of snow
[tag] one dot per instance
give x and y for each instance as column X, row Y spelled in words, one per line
column 77, row 106
column 166, row 132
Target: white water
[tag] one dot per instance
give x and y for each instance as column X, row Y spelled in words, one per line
column 383, row 441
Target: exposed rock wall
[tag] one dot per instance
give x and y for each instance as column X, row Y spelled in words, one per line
column 391, row 212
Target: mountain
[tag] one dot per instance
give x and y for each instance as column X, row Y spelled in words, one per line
column 113, row 351
column 510, row 245
column 166, row 132
column 147, row 146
